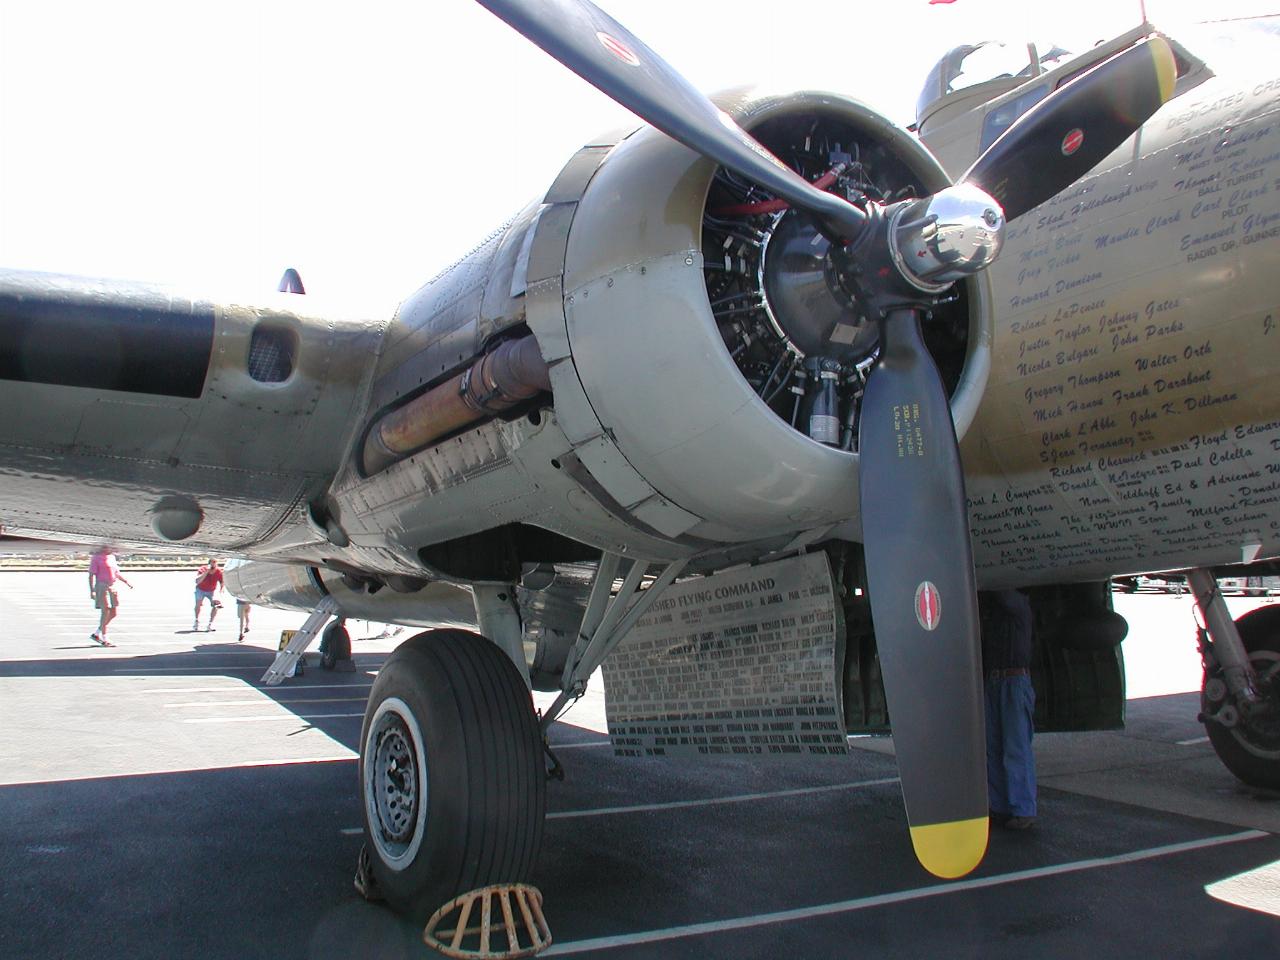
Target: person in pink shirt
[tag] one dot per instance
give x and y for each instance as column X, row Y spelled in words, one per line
column 104, row 573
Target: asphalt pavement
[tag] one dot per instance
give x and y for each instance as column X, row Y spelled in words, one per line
column 156, row 801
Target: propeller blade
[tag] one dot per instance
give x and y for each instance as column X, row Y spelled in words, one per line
column 1069, row 132
column 605, row 54
column 914, row 518
column 923, row 598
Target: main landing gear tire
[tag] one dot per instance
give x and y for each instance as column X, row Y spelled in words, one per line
column 1251, row 748
column 335, row 652
column 451, row 772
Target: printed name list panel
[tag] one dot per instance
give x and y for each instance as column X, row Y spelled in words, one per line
column 1133, row 422
column 743, row 662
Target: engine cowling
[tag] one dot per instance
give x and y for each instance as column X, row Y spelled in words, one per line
column 680, row 319
column 705, row 366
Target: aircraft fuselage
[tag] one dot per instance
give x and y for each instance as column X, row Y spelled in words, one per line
column 1132, row 419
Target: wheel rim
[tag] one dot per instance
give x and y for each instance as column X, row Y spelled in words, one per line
column 1261, row 735
column 395, row 783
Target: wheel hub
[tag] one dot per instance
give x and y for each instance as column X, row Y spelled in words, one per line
column 1259, row 732
column 395, row 780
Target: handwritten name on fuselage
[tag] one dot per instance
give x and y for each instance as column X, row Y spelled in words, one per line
column 1158, row 360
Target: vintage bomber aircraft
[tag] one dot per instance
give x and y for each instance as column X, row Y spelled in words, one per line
column 750, row 331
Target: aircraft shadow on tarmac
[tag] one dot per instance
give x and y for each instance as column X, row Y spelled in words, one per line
column 226, row 863
column 257, row 862
column 244, row 861
column 248, row 669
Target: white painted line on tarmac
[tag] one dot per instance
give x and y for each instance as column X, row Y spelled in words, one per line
column 290, row 760
column 1193, row 741
column 272, row 718
column 158, row 628
column 140, row 636
column 281, row 762
column 139, row 613
column 887, row 899
column 132, row 639
column 184, row 649
column 231, row 686
column 351, row 831
column 264, row 700
column 190, row 669
column 239, row 686
column 101, row 654
column 713, row 801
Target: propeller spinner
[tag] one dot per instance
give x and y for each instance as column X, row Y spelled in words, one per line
column 914, row 519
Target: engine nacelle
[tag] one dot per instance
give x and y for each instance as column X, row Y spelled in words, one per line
column 684, row 325
column 288, row 586
column 705, row 354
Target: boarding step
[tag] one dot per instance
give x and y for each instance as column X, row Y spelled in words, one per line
column 283, row 664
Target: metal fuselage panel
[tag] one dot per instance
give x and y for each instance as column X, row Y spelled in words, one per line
column 91, row 449
column 1132, row 421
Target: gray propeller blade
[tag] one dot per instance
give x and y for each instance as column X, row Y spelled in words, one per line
column 915, row 522
column 914, row 517
column 604, row 53
column 1065, row 135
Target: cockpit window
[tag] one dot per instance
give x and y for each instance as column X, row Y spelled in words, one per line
column 1001, row 118
column 971, row 64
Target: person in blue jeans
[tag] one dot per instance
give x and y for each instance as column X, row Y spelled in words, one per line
column 1010, row 703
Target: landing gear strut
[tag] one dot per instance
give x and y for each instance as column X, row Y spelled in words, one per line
column 1240, row 697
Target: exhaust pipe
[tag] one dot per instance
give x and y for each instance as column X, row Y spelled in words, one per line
column 507, row 375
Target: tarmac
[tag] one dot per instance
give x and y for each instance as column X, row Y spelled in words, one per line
column 156, row 801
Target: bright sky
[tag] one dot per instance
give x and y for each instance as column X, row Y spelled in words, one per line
column 212, row 145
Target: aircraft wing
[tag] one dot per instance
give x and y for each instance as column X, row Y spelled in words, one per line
column 138, row 415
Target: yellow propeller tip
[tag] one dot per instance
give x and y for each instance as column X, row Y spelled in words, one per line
column 950, row 850
column 1166, row 66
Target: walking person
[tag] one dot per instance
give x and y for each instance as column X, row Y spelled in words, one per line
column 1010, row 706
column 208, row 584
column 242, row 614
column 104, row 573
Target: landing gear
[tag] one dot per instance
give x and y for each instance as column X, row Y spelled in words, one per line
column 451, row 772
column 335, row 648
column 1247, row 740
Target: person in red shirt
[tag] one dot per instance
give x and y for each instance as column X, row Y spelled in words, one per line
column 208, row 583
column 104, row 572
